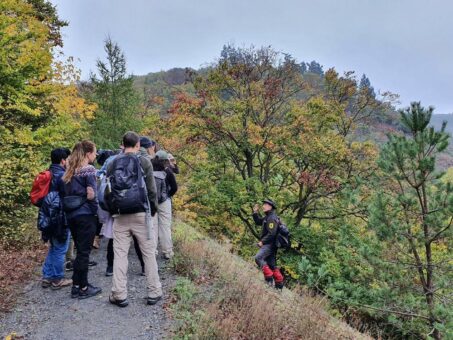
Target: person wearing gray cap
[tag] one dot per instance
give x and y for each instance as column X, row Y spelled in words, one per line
column 166, row 187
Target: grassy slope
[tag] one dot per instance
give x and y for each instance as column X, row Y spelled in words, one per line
column 219, row 295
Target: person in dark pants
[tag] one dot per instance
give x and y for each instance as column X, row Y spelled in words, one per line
column 78, row 193
column 266, row 258
column 111, row 256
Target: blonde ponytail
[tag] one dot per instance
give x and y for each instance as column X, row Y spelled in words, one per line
column 77, row 158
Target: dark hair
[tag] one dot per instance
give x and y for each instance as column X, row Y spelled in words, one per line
column 58, row 154
column 130, row 139
column 158, row 164
column 102, row 155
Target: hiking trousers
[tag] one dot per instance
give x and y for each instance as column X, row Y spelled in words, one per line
column 162, row 230
column 110, row 255
column 267, row 255
column 124, row 227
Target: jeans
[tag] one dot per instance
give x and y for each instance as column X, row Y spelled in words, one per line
column 83, row 230
column 53, row 268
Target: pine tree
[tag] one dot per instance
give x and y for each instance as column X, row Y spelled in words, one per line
column 413, row 216
column 365, row 85
column 116, row 97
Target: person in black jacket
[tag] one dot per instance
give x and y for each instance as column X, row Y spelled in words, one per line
column 266, row 258
column 58, row 233
column 79, row 190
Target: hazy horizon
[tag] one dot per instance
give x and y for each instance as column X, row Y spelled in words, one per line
column 404, row 47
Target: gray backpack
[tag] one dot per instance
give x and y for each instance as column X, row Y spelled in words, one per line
column 161, row 186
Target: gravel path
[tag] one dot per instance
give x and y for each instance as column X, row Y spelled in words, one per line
column 47, row 314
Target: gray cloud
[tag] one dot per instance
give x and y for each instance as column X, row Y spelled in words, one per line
column 405, row 46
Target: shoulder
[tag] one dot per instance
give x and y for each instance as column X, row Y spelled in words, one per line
column 145, row 163
column 87, row 170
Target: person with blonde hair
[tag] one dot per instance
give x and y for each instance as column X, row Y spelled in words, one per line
column 80, row 205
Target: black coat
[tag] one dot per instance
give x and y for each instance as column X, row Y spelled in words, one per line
column 270, row 223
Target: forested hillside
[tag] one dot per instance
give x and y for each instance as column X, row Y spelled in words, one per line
column 366, row 190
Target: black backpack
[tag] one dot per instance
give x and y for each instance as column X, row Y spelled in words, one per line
column 161, row 186
column 127, row 190
column 283, row 236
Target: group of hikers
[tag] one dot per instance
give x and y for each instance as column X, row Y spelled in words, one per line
column 129, row 199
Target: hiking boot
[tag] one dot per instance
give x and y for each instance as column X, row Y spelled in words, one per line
column 109, row 271
column 279, row 285
column 69, row 266
column 75, row 292
column 119, row 303
column 46, row 283
column 92, row 263
column 153, row 301
column 89, row 291
column 61, row 283
column 269, row 281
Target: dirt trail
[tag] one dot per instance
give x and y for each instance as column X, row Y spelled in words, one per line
column 47, row 314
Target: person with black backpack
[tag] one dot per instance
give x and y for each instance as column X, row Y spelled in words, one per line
column 106, row 218
column 166, row 187
column 266, row 258
column 132, row 201
column 53, row 226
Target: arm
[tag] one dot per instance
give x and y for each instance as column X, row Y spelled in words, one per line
column 257, row 219
column 171, row 183
column 175, row 169
column 150, row 183
column 91, row 184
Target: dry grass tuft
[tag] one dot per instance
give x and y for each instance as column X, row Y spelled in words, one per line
column 235, row 302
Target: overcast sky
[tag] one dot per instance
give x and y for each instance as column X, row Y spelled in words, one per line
column 404, row 46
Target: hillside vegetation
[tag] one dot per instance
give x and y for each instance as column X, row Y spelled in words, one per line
column 221, row 296
column 366, row 190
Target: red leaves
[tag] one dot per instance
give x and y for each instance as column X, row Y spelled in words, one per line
column 319, row 179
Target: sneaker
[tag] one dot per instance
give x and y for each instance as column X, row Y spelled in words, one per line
column 167, row 257
column 75, row 292
column 46, row 283
column 109, row 271
column 143, row 273
column 69, row 266
column 153, row 301
column 92, row 263
column 119, row 303
column 61, row 283
column 89, row 292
